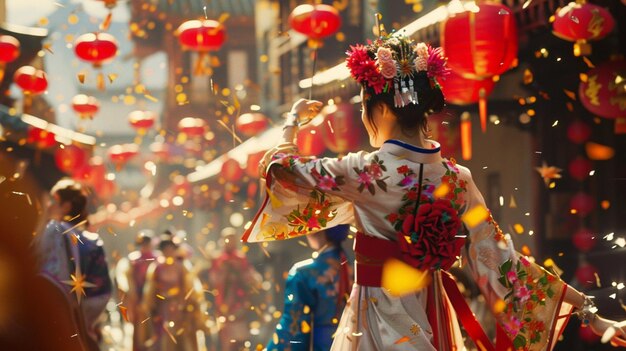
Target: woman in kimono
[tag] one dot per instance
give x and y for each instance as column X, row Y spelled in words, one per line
column 413, row 205
column 315, row 295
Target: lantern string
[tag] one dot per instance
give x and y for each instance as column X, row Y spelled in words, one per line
column 314, row 54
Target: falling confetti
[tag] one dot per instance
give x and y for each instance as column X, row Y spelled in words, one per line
column 548, row 172
column 78, row 284
column 81, row 78
column 526, row 4
column 402, row 340
column 400, row 279
column 475, row 216
column 124, row 312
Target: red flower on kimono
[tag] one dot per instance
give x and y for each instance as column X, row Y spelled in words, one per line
column 429, row 239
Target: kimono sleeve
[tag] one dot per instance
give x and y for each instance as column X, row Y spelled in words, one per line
column 527, row 301
column 305, row 195
column 293, row 331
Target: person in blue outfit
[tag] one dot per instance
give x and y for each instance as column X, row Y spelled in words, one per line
column 315, row 294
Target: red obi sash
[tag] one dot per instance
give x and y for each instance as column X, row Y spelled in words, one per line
column 372, row 253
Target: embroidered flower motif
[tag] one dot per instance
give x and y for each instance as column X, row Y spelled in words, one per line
column 526, row 293
column 512, row 276
column 372, row 174
column 365, row 179
column 325, row 181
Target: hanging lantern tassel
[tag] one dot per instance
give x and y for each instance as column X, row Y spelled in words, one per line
column 2, row 66
column 203, row 64
column 28, row 101
column 620, row 125
column 482, row 109
column 582, row 48
column 100, row 81
column 466, row 136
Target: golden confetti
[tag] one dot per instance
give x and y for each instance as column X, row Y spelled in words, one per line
column 525, row 250
column 107, row 22
column 441, row 191
column 599, row 152
column 512, row 202
column 124, row 312
column 475, row 216
column 188, row 294
column 78, row 284
column 499, row 306
column 570, row 94
column 400, row 279
column 548, row 172
column 151, row 98
column 305, row 327
column 588, row 62
column 402, row 340
column 160, row 297
column 81, row 78
column 223, row 17
column 112, row 77
column 519, row 229
column 167, row 330
column 528, row 76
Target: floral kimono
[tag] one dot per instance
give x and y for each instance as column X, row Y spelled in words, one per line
column 378, row 191
column 312, row 304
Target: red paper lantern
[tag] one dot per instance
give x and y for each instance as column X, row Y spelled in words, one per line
column 109, row 3
column 85, row 106
column 202, row 36
column 340, row 130
column 160, row 149
column 95, row 48
column 252, row 164
column 463, row 91
column 587, row 335
column 105, row 189
column 579, row 168
column 9, row 51
column 582, row 204
column 193, row 127
column 581, row 22
column 585, row 274
column 70, row 158
column 32, row 81
column 41, row 138
column 310, row 140
column 315, row 21
column 253, row 189
column 91, row 173
column 578, row 132
column 251, row 124
column 447, row 133
column 584, row 239
column 483, row 43
column 121, row 154
column 231, row 170
column 141, row 120
column 603, row 93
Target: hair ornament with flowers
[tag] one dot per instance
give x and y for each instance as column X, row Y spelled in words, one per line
column 392, row 64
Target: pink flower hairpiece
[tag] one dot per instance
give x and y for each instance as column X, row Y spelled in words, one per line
column 391, row 63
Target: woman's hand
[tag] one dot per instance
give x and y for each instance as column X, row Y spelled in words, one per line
column 609, row 330
column 306, row 110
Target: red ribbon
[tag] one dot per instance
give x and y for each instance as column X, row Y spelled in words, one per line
column 371, row 254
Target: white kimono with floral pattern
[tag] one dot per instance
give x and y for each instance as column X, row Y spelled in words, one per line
column 370, row 190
